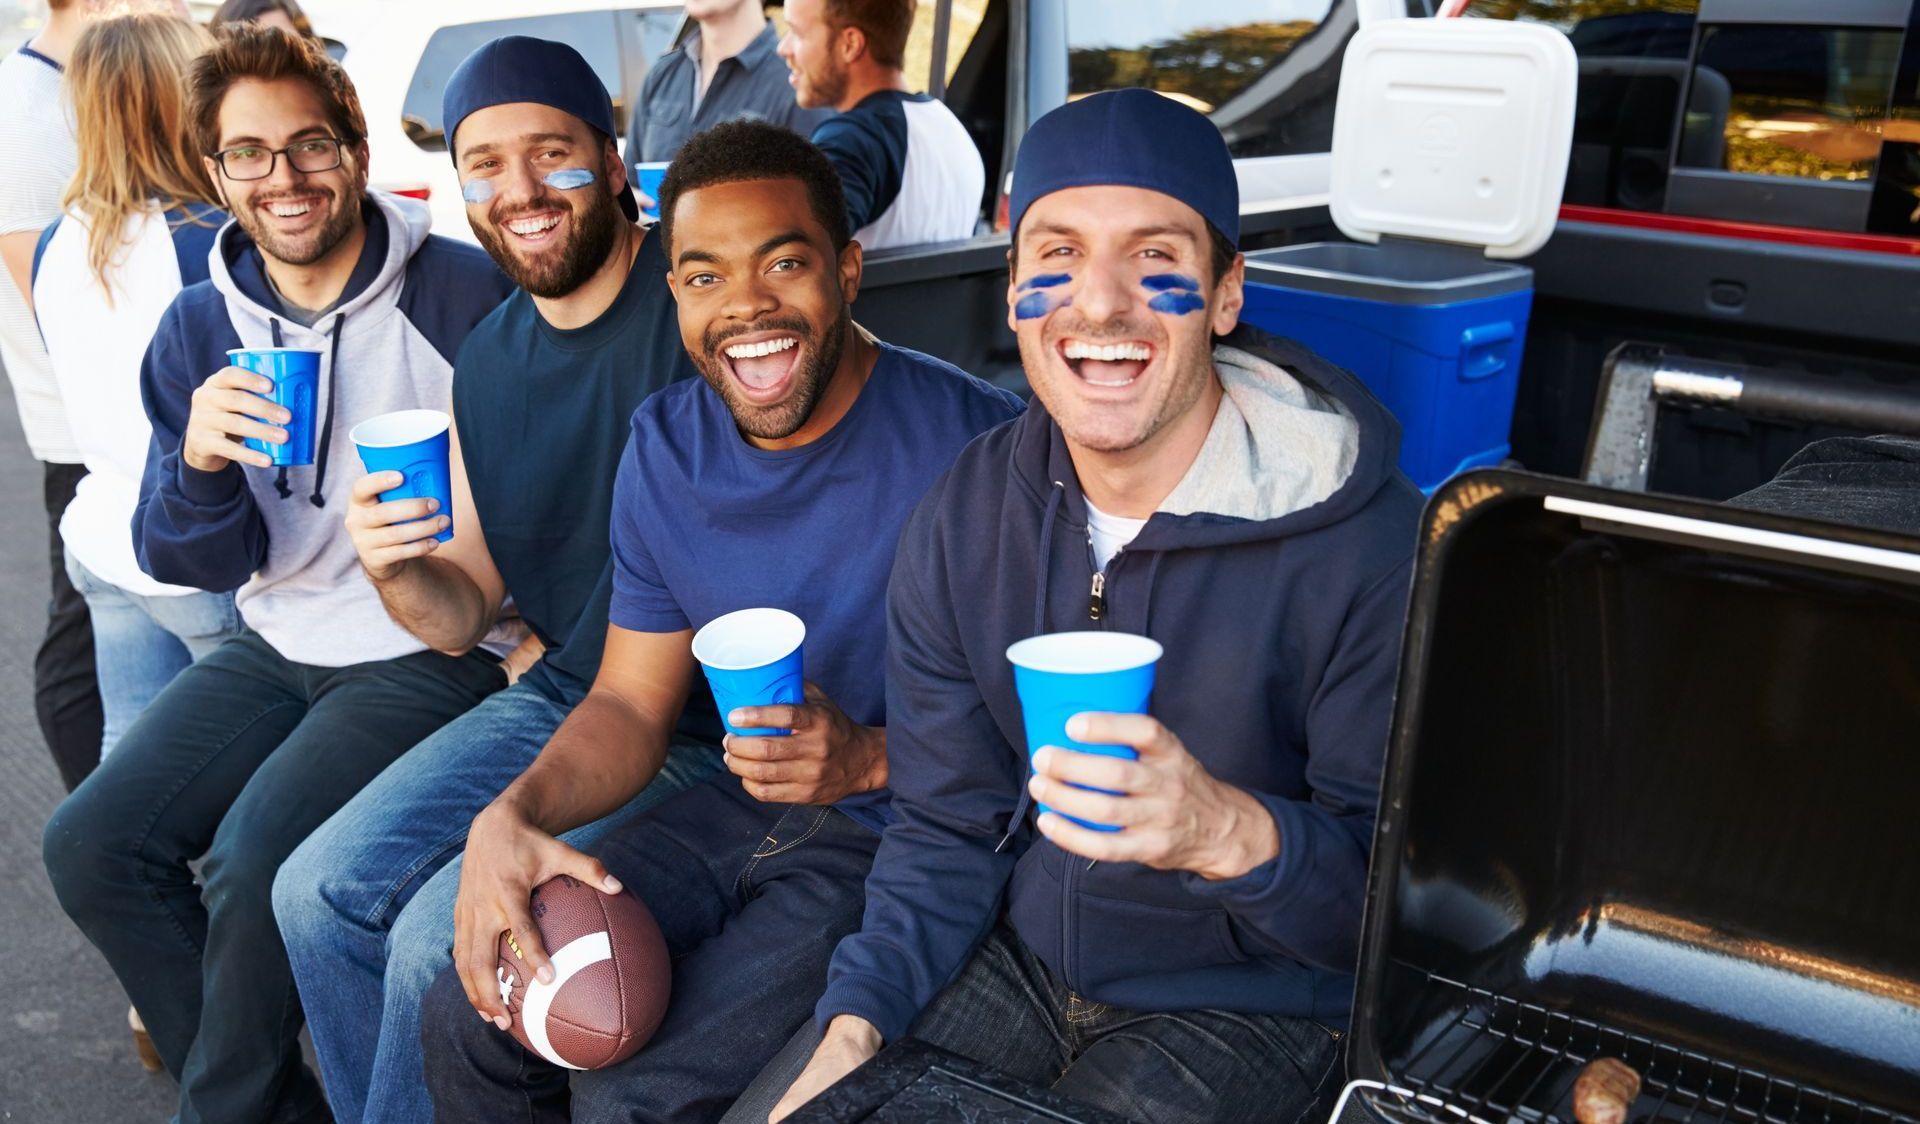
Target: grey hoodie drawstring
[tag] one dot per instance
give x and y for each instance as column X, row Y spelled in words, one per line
column 279, row 478
column 325, row 436
column 1058, row 492
column 326, row 428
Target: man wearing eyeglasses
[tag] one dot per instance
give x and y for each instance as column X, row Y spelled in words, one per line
column 253, row 747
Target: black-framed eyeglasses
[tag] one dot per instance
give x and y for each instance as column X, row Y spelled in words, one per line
column 256, row 161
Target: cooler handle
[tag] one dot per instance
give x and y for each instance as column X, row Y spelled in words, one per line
column 1483, row 350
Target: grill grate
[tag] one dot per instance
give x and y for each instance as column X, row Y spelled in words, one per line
column 1501, row 1060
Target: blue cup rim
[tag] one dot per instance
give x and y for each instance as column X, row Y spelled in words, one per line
column 233, row 351
column 414, row 427
column 1085, row 652
column 788, row 630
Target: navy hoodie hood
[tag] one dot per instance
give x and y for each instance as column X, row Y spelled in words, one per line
column 1282, row 638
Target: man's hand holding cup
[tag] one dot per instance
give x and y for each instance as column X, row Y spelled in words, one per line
column 786, row 740
column 387, row 535
column 227, row 409
column 1171, row 813
column 826, row 755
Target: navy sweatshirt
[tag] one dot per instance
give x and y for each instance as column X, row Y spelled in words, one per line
column 1282, row 642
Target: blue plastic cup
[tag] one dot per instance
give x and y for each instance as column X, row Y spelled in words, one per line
column 753, row 658
column 296, row 383
column 414, row 444
column 646, row 178
column 1062, row 674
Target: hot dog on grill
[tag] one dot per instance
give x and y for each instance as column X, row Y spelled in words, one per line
column 1604, row 1091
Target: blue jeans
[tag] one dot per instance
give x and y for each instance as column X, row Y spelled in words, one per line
column 140, row 643
column 366, row 904
column 751, row 897
column 239, row 759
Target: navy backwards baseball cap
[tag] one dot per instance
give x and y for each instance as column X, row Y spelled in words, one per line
column 517, row 68
column 1129, row 138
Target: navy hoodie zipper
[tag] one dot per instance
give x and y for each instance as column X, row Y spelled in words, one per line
column 1070, row 865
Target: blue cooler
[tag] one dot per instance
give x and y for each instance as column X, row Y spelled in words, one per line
column 1435, row 331
column 1450, row 149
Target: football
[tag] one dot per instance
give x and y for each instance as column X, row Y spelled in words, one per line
column 611, row 975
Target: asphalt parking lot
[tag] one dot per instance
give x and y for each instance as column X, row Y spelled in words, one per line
column 65, row 1054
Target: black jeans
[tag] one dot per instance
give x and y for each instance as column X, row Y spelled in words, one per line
column 66, row 696
column 752, row 899
column 1008, row 1011
column 238, row 760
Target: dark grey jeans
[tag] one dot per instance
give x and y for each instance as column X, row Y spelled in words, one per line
column 1159, row 1067
column 237, row 760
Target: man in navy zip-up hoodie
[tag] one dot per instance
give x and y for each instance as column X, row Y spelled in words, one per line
column 1234, row 499
column 255, row 745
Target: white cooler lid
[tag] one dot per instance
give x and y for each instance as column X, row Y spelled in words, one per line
column 1455, row 130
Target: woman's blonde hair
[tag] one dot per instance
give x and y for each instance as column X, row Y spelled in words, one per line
column 127, row 82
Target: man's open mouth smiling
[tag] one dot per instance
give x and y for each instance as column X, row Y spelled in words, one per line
column 1106, row 364
column 763, row 364
column 291, row 212
column 534, row 229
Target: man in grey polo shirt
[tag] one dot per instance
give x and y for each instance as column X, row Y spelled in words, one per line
column 726, row 69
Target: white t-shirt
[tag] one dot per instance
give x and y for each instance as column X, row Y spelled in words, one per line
column 38, row 157
column 96, row 345
column 1110, row 533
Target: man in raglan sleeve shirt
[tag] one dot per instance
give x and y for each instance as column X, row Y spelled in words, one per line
column 910, row 172
column 1233, row 497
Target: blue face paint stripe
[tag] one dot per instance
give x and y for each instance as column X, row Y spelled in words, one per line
column 1045, row 281
column 566, row 179
column 1170, row 282
column 1035, row 305
column 1179, row 294
column 1040, row 299
column 1177, row 303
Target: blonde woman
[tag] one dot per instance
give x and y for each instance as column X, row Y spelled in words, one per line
column 137, row 227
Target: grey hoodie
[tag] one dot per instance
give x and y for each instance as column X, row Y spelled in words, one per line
column 388, row 345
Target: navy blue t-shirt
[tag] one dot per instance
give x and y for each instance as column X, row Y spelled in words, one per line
column 542, row 413
column 705, row 523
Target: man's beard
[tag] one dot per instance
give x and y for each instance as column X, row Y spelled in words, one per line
column 300, row 249
column 827, row 87
column 590, row 239
column 782, row 419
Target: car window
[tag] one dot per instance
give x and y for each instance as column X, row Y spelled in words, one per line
column 1633, row 69
column 1798, row 102
column 966, row 18
column 1257, row 67
column 1896, row 186
column 597, row 35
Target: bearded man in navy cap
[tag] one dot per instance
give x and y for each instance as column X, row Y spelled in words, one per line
column 542, row 391
column 1234, row 498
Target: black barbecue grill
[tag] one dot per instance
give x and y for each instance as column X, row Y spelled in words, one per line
column 1653, row 794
